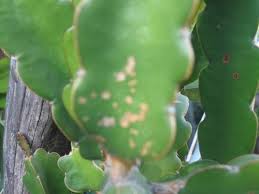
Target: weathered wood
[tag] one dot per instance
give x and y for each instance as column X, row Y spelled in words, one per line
column 30, row 115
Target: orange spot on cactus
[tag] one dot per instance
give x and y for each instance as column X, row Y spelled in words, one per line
column 82, row 100
column 226, row 59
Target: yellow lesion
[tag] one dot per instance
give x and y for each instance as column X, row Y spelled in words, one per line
column 129, row 118
column 146, row 148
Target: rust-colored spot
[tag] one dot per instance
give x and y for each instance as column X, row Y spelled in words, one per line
column 82, row 100
column 236, row 76
column 226, row 59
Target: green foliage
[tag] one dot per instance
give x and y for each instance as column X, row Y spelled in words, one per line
column 228, row 84
column 166, row 168
column 115, row 99
column 112, row 72
column 80, row 174
column 43, row 175
column 240, row 178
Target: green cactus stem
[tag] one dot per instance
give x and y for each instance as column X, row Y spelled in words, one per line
column 114, row 97
column 228, row 85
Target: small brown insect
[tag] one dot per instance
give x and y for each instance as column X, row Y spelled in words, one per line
column 226, row 59
column 236, row 76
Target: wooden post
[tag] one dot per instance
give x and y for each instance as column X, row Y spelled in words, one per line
column 30, row 115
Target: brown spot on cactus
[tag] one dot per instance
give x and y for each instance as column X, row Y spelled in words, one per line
column 124, row 123
column 129, row 100
column 82, row 100
column 107, row 122
column 226, row 59
column 106, row 95
column 146, row 148
column 120, row 76
column 130, row 66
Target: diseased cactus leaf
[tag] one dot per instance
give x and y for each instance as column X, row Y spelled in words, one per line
column 242, row 178
column 80, row 174
column 115, row 100
column 228, row 84
column 88, row 147
column 167, row 167
column 36, row 39
column 43, row 175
